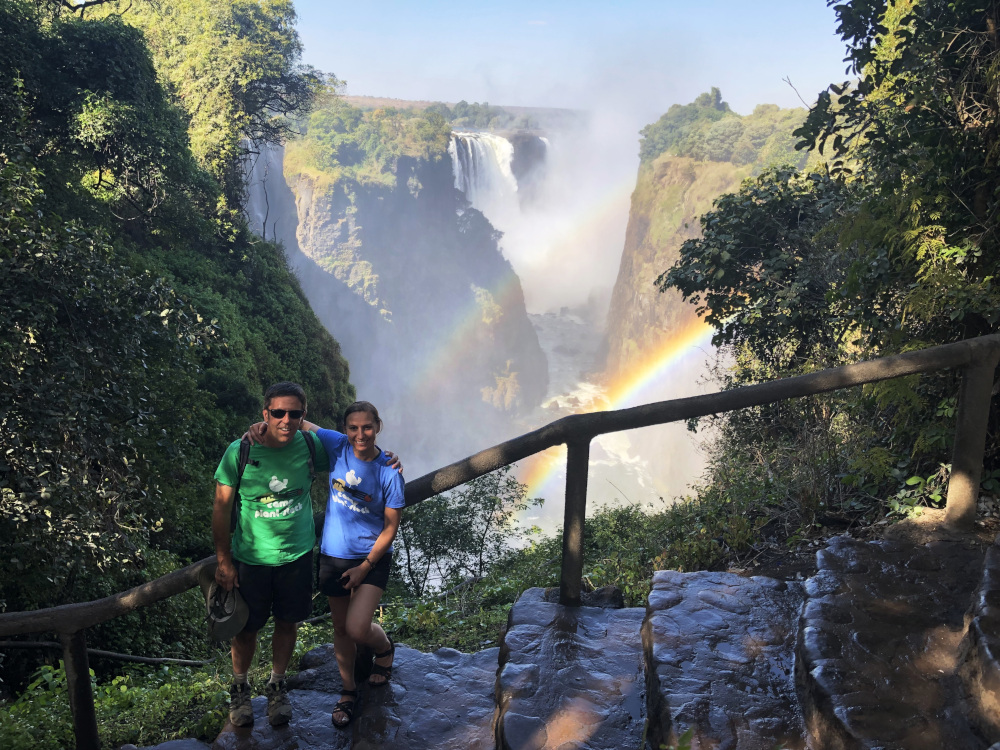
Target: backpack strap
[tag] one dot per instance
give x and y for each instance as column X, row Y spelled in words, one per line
column 234, row 518
column 311, row 445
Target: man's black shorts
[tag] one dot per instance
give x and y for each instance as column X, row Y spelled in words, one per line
column 332, row 568
column 282, row 590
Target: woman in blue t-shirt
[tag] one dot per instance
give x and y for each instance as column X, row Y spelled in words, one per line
column 362, row 517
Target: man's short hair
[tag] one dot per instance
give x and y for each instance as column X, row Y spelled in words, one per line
column 284, row 389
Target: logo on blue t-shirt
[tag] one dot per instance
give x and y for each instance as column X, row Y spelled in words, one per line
column 341, row 486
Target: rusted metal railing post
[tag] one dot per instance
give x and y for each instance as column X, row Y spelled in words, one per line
column 970, row 439
column 81, row 693
column 577, row 461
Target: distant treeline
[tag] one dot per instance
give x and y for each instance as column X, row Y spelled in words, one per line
column 483, row 117
column 708, row 130
column 342, row 142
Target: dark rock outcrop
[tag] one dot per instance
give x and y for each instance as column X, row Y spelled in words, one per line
column 892, row 645
column 719, row 661
column 570, row 677
column 881, row 645
column 981, row 669
column 443, row 700
column 429, row 314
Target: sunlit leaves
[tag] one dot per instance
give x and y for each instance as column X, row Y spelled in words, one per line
column 235, row 68
column 77, row 354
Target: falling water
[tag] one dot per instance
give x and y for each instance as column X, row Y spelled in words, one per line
column 482, row 166
column 564, row 241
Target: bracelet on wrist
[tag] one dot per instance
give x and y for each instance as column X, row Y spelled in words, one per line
column 370, row 563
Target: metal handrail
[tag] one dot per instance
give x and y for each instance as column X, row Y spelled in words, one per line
column 977, row 357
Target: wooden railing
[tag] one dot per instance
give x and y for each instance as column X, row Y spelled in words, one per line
column 976, row 357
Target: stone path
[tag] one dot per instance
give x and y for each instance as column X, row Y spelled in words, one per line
column 981, row 671
column 719, row 653
column 881, row 645
column 443, row 700
column 892, row 645
column 571, row 678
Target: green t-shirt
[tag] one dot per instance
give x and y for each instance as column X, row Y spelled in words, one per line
column 276, row 515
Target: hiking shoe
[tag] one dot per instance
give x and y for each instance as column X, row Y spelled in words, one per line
column 279, row 710
column 240, row 708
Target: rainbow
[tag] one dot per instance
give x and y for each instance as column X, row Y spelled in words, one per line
column 544, row 474
column 464, row 332
column 508, row 293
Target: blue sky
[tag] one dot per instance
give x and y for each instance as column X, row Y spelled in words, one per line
column 638, row 55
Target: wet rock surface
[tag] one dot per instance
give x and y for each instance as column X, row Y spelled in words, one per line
column 441, row 700
column 719, row 661
column 891, row 645
column 570, row 678
column 981, row 670
column 881, row 645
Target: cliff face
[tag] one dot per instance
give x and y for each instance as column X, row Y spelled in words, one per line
column 693, row 154
column 671, row 194
column 429, row 314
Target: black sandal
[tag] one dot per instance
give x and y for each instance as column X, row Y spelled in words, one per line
column 346, row 708
column 378, row 669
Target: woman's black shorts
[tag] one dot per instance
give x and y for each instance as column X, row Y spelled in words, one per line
column 331, row 569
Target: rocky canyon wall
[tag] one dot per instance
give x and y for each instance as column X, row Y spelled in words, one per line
column 409, row 279
column 691, row 156
column 669, row 197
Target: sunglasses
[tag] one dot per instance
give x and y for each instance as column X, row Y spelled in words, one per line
column 292, row 413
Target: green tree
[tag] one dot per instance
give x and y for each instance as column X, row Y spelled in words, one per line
column 234, row 66
column 132, row 351
column 84, row 343
column 341, row 140
column 894, row 247
column 461, row 535
column 681, row 124
column 764, row 272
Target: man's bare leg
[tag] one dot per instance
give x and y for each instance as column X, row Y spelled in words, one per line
column 240, row 709
column 283, row 645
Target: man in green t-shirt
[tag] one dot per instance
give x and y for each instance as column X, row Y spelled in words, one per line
column 270, row 556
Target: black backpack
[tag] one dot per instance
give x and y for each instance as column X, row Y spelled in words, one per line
column 234, row 518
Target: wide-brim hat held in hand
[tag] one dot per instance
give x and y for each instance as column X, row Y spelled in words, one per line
column 227, row 612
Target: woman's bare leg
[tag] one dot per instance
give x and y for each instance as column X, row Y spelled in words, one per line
column 344, row 647
column 361, row 627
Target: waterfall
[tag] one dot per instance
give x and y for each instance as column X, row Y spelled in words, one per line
column 481, row 163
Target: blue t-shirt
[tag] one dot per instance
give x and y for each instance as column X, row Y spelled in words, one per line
column 360, row 491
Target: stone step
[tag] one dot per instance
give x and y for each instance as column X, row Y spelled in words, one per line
column 881, row 645
column 441, row 700
column 872, row 652
column 571, row 678
column 981, row 670
column 719, row 652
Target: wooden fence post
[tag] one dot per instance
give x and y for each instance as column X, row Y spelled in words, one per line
column 970, row 440
column 577, row 464
column 81, row 694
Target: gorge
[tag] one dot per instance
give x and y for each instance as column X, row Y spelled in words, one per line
column 472, row 290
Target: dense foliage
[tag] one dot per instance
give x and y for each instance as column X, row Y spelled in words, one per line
column 343, row 141
column 460, row 536
column 892, row 247
column 483, row 116
column 234, row 69
column 708, row 130
column 141, row 322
